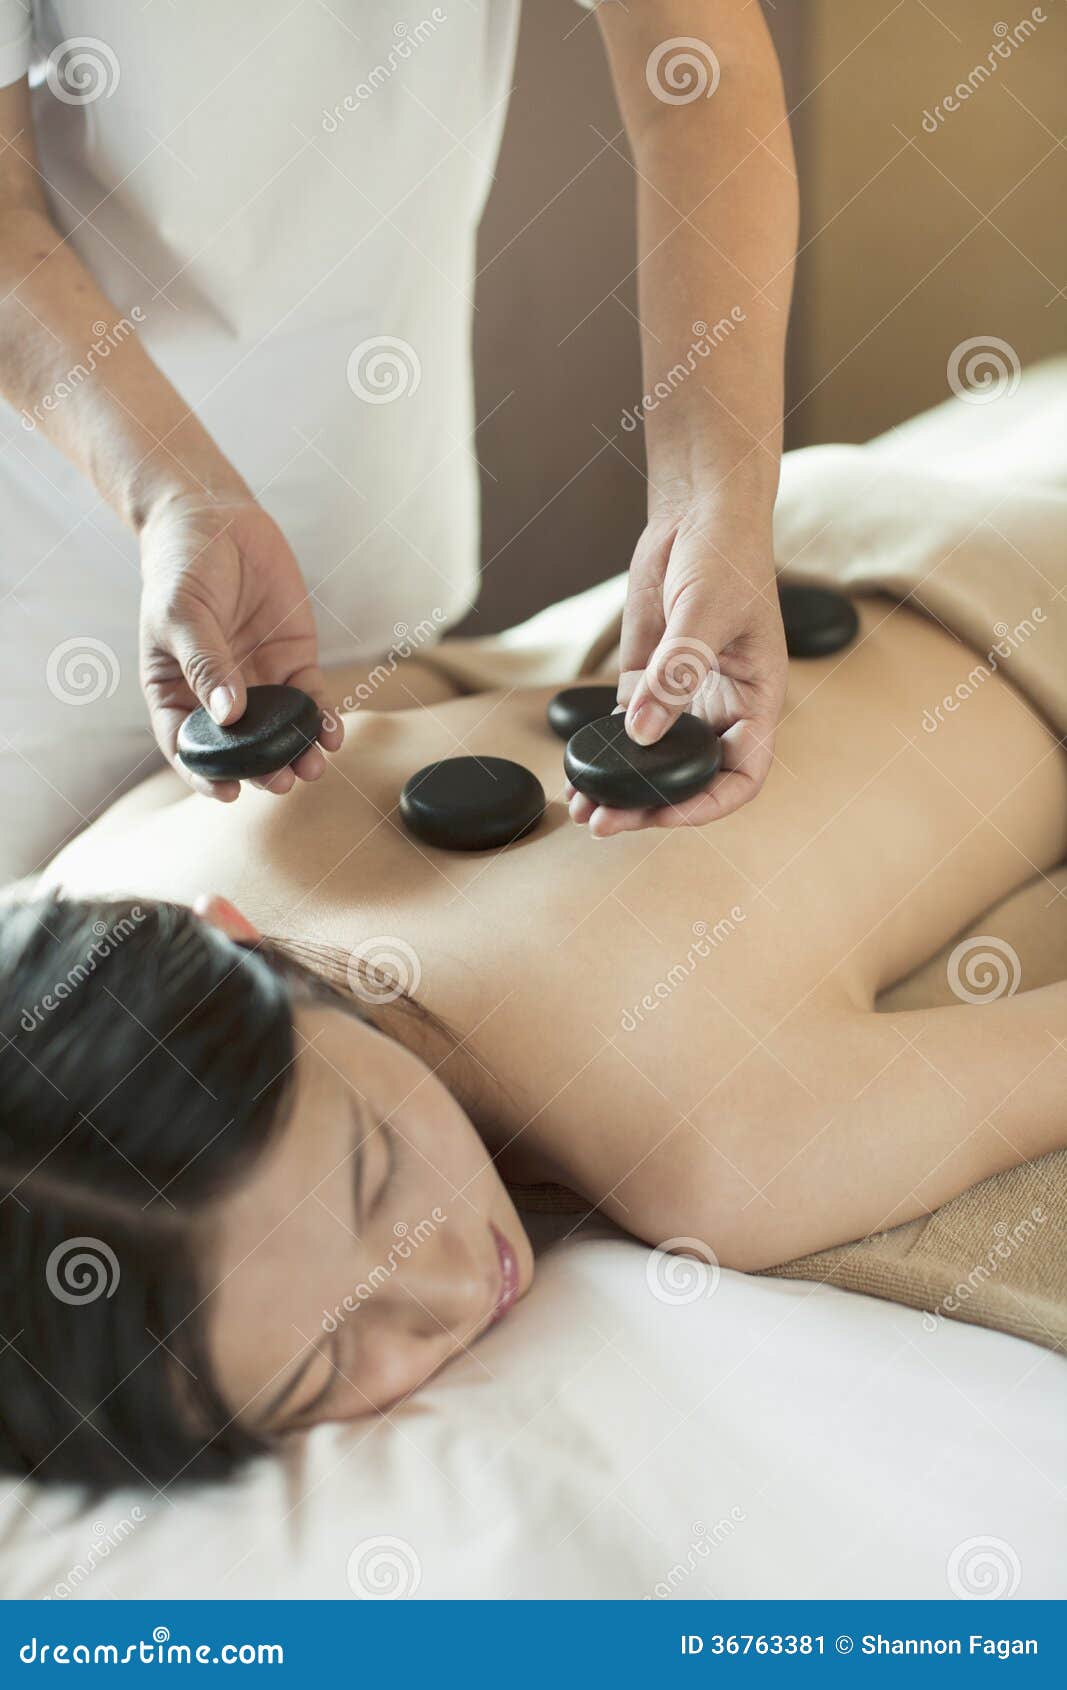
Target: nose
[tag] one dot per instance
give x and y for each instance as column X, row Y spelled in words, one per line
column 443, row 1286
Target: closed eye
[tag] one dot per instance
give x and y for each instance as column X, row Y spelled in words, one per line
column 305, row 1415
column 389, row 1137
column 363, row 1209
column 300, row 1418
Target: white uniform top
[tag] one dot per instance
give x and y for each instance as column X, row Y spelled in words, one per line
column 283, row 197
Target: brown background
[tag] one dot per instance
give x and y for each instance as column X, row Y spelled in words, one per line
column 911, row 243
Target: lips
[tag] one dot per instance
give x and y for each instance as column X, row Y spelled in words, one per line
column 509, row 1275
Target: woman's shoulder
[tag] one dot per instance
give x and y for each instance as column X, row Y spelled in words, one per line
column 159, row 791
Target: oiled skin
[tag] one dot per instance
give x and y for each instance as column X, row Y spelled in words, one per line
column 759, row 1103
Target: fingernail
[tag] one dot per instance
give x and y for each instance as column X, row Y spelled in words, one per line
column 648, row 722
column 220, row 703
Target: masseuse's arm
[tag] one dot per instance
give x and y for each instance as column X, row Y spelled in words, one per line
column 223, row 601
column 701, row 97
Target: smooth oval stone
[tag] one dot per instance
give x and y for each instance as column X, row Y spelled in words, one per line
column 817, row 620
column 602, row 761
column 575, row 706
column 472, row 803
column 278, row 724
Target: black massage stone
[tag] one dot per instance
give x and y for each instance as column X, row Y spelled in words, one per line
column 817, row 621
column 573, row 708
column 472, row 803
column 278, row 724
column 602, row 761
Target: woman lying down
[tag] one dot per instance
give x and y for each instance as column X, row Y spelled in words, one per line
column 239, row 1114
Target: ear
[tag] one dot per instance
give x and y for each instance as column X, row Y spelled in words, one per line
column 219, row 912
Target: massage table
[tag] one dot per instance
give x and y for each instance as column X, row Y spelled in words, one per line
column 743, row 1436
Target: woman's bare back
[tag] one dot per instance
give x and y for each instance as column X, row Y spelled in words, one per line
column 627, row 1003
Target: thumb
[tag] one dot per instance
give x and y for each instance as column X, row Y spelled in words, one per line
column 209, row 667
column 682, row 668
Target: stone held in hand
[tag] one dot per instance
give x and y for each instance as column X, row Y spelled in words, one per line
column 278, row 725
column 603, row 762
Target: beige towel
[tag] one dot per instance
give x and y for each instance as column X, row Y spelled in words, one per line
column 997, row 1254
column 963, row 512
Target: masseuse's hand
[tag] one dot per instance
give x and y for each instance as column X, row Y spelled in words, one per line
column 224, row 607
column 701, row 630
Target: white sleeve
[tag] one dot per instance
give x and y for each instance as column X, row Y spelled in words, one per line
column 15, row 32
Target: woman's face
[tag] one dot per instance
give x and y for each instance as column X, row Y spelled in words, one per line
column 371, row 1243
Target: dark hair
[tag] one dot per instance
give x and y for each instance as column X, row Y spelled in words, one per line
column 146, row 1062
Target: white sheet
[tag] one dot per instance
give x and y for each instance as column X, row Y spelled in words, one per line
column 773, row 1439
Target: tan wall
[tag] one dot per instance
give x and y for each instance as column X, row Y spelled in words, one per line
column 893, row 274
column 556, row 356
column 920, row 240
